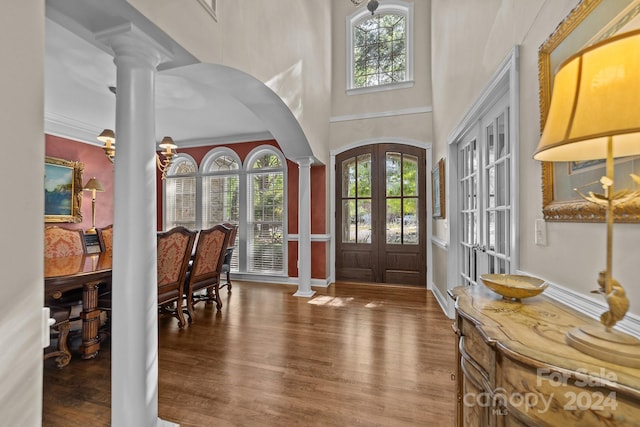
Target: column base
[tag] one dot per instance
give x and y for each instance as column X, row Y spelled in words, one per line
column 304, row 293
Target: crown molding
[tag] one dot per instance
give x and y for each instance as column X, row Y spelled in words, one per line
column 379, row 114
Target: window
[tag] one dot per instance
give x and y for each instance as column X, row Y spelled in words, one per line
column 379, row 48
column 223, row 190
column 180, row 193
column 220, row 183
column 266, row 212
column 220, row 192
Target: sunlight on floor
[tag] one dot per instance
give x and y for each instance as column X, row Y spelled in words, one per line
column 331, row 301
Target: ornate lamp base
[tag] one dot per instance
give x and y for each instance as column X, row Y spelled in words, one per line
column 611, row 346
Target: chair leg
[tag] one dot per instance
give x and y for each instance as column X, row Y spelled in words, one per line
column 180, row 314
column 216, row 289
column 62, row 354
column 228, row 283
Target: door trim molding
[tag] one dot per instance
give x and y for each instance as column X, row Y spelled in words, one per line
column 428, row 146
column 505, row 80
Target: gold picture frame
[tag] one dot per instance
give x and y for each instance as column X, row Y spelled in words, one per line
column 590, row 21
column 437, row 190
column 62, row 190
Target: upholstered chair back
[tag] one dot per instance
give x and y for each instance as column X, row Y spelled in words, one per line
column 60, row 242
column 105, row 236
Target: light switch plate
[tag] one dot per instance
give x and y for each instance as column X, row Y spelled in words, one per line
column 541, row 232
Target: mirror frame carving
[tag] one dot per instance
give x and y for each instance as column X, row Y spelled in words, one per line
column 573, row 210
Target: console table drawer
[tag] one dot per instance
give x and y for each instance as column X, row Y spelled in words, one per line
column 477, row 349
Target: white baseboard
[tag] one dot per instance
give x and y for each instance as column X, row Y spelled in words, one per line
column 590, row 306
column 277, row 280
column 444, row 301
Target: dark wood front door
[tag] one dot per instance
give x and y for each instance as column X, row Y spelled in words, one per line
column 381, row 215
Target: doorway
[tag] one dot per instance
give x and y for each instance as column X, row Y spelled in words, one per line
column 484, row 165
column 380, row 200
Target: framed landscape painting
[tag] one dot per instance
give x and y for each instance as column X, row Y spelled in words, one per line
column 62, row 190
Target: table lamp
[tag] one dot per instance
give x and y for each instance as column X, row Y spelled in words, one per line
column 594, row 114
column 93, row 185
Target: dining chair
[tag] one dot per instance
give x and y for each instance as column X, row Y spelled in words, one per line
column 174, row 252
column 228, row 254
column 60, row 241
column 105, row 237
column 64, row 242
column 59, row 331
column 206, row 267
column 174, row 249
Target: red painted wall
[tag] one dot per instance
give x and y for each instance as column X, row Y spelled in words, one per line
column 318, row 208
column 96, row 164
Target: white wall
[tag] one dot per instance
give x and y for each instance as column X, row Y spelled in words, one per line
column 470, row 39
column 418, row 97
column 284, row 43
column 21, row 219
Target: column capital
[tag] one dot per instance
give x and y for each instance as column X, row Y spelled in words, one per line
column 127, row 40
column 304, row 161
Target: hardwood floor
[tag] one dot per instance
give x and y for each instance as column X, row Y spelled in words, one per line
column 353, row 355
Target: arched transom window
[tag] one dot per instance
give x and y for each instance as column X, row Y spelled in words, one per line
column 380, row 47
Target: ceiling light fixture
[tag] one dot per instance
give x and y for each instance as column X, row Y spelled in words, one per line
column 169, row 150
column 372, row 5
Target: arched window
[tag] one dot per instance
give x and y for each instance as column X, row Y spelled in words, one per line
column 220, row 176
column 220, row 187
column 380, row 47
column 180, row 204
column 266, row 215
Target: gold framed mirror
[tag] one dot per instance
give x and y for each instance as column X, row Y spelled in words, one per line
column 589, row 22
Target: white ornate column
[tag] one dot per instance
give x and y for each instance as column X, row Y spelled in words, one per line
column 134, row 338
column 304, row 227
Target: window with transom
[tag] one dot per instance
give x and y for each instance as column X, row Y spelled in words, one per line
column 266, row 211
column 180, row 208
column 379, row 47
column 220, row 188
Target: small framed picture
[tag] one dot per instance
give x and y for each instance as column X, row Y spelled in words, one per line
column 437, row 190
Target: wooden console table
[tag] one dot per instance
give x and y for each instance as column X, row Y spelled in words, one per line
column 515, row 369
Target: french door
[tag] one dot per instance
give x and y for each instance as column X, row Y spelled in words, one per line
column 381, row 214
column 484, row 161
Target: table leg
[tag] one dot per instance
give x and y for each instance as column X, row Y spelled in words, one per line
column 90, row 321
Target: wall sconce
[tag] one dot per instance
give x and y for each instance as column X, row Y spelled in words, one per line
column 109, row 138
column 372, row 5
column 594, row 115
column 169, row 150
column 94, row 186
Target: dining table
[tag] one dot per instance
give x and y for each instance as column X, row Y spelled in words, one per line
column 86, row 272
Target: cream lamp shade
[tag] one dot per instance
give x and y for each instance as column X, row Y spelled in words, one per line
column 596, row 95
column 594, row 114
column 94, row 184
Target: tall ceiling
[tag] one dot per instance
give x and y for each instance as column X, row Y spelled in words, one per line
column 196, row 104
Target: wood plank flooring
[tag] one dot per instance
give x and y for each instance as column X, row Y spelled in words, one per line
column 353, row 355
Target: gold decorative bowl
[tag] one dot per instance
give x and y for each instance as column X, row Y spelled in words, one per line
column 513, row 286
